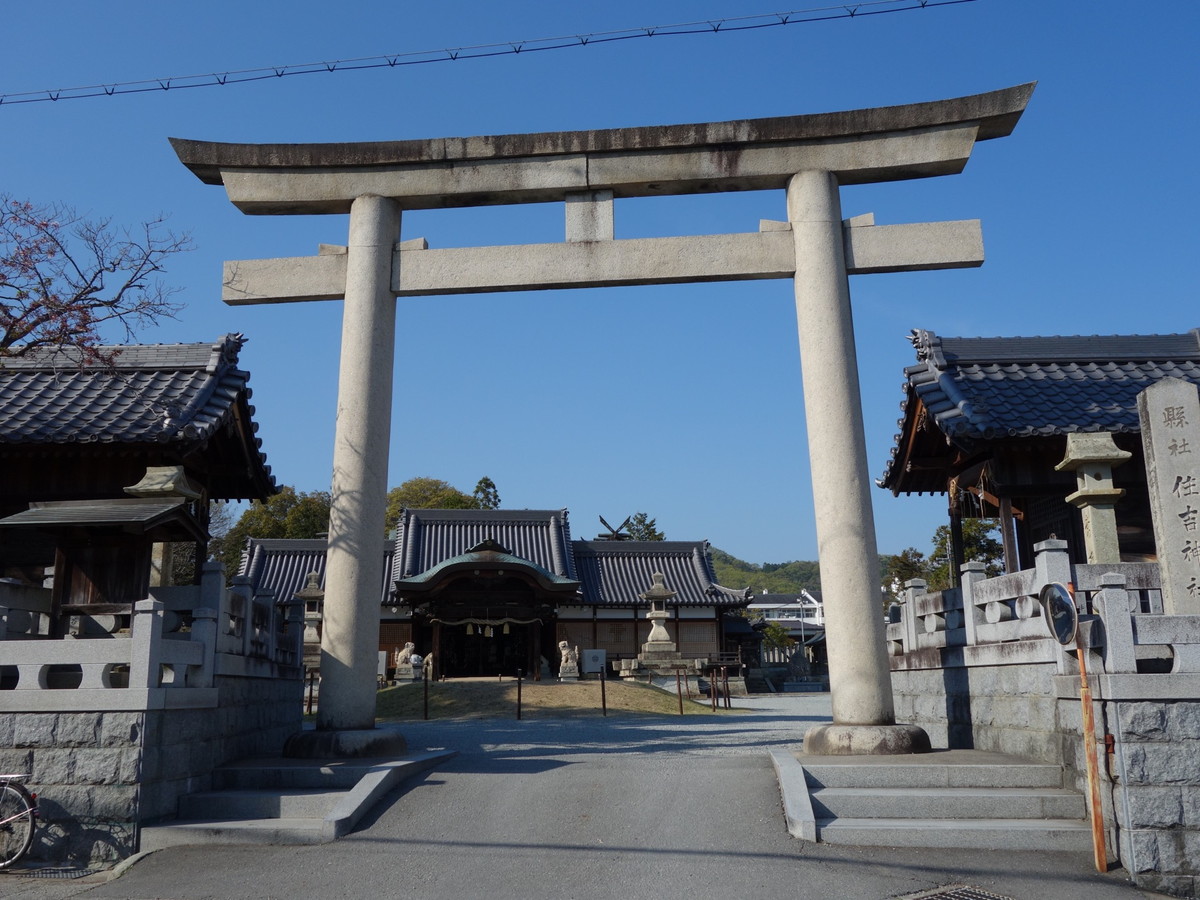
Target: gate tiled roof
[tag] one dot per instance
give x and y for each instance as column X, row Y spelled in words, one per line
column 976, row 390
column 175, row 396
column 426, row 537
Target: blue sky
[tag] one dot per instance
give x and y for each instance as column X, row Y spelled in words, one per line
column 684, row 402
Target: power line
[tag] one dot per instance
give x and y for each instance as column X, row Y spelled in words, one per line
column 478, row 51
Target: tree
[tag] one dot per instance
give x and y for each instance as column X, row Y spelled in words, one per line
column 979, row 544
column 65, row 278
column 904, row 566
column 288, row 514
column 433, row 493
column 769, row 578
column 642, row 528
column 486, row 494
column 776, row 637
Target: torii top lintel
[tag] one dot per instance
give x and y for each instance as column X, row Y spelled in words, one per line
column 860, row 146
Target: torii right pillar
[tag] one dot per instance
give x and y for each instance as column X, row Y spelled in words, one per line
column 859, row 675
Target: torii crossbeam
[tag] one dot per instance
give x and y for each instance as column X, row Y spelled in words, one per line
column 809, row 157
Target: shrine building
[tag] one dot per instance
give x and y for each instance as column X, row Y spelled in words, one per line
column 991, row 422
column 488, row 592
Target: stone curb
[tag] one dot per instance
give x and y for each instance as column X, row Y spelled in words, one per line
column 797, row 807
column 373, row 786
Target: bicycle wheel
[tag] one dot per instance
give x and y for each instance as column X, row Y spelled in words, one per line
column 16, row 823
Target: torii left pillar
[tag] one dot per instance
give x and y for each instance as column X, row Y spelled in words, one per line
column 349, row 657
column 350, row 627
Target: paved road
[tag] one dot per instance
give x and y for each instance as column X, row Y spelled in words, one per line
column 602, row 808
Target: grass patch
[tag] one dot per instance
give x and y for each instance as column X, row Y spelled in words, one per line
column 498, row 700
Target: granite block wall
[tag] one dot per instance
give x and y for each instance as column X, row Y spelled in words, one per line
column 84, row 768
column 1157, row 800
column 1010, row 709
column 100, row 775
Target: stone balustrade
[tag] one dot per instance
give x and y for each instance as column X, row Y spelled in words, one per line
column 24, row 611
column 165, row 654
column 990, row 621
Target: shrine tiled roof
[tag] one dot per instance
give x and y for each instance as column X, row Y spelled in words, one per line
column 283, row 565
column 605, row 572
column 986, row 389
column 153, row 393
column 614, row 573
column 427, row 537
column 166, row 395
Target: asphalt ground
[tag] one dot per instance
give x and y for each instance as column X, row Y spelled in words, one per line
column 590, row 809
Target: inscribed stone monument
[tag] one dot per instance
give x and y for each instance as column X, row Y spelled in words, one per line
column 1170, row 417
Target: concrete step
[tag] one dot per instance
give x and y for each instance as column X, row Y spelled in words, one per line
column 1068, row 835
column 258, row 804
column 948, row 768
column 247, row 831
column 948, row 798
column 947, row 803
column 290, row 774
column 285, row 801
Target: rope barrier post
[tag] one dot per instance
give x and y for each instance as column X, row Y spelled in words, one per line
column 678, row 690
column 519, row 673
column 425, row 683
column 603, row 692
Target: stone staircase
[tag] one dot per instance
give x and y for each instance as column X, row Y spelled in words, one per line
column 953, row 798
column 285, row 801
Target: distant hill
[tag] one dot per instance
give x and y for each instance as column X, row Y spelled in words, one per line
column 768, row 578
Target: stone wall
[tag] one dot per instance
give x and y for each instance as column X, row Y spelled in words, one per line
column 1009, row 708
column 99, row 775
column 182, row 747
column 977, row 671
column 84, row 768
column 1157, row 801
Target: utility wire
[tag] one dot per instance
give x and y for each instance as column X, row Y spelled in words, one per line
column 479, row 51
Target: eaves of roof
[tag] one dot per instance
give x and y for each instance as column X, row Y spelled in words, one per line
column 491, row 561
column 981, row 390
column 427, row 537
column 179, row 395
column 133, row 515
column 616, row 573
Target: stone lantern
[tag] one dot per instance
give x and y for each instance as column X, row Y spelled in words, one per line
column 1092, row 457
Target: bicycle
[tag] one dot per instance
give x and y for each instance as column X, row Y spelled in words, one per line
column 18, row 809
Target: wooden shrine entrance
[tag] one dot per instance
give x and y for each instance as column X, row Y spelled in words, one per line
column 486, row 612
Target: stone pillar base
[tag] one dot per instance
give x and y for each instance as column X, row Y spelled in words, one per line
column 349, row 744
column 865, row 740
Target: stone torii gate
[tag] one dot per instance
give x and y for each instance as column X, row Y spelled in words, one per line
column 807, row 156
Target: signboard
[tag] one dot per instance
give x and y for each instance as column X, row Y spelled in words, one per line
column 591, row 661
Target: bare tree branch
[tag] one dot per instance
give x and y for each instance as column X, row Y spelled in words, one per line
column 64, row 277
